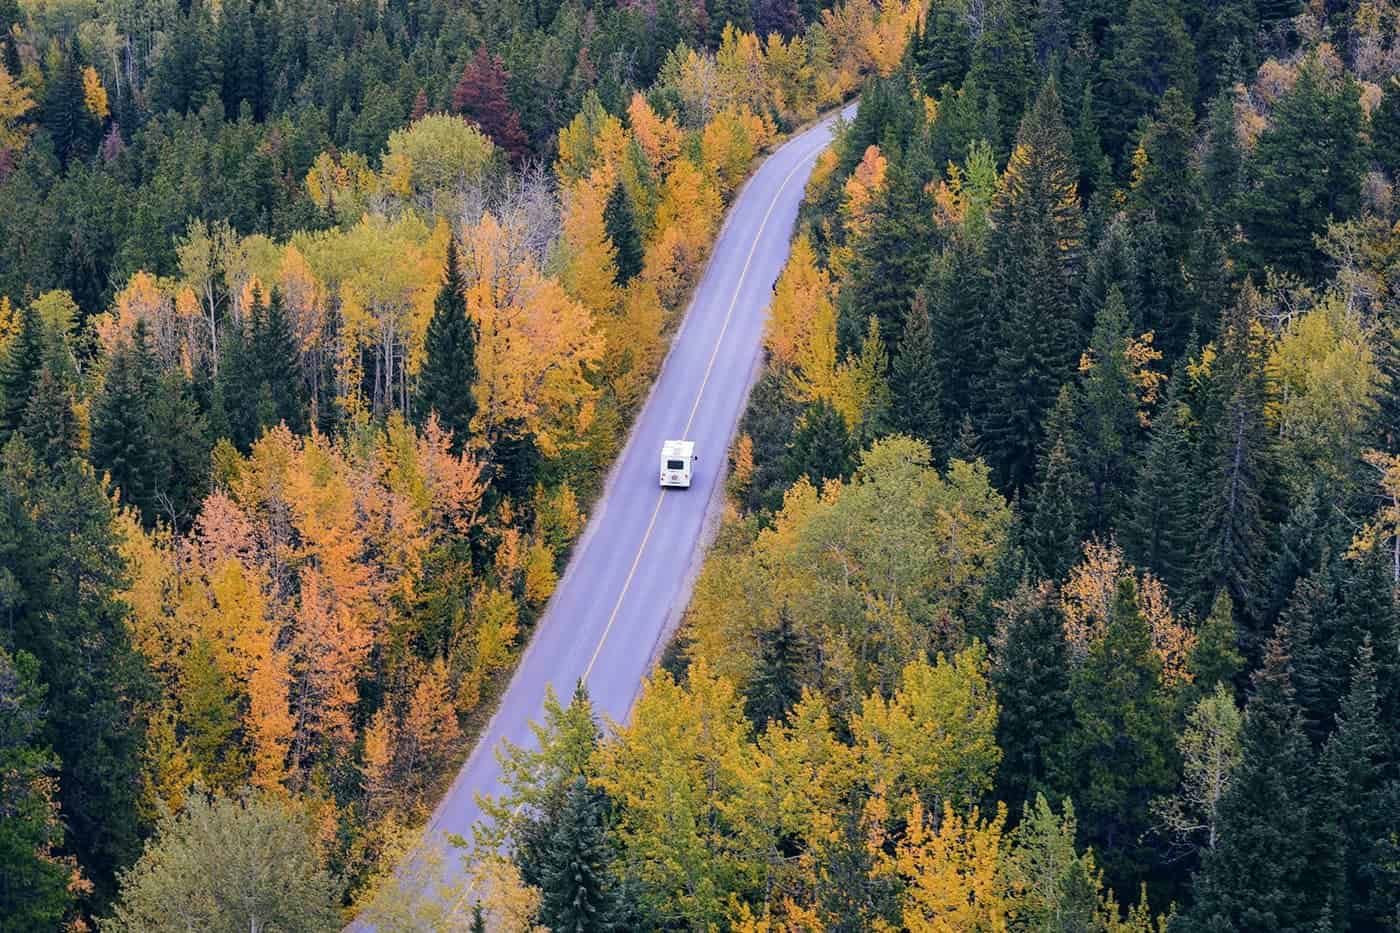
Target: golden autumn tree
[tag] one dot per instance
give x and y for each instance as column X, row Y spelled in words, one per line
column 533, row 343
column 953, row 869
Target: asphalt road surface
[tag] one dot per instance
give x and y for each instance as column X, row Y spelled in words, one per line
column 630, row 574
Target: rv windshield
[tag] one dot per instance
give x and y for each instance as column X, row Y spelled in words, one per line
column 675, row 464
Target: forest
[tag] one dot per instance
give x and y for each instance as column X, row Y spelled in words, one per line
column 320, row 324
column 1056, row 588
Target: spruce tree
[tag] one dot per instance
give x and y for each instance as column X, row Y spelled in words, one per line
column 1166, row 192
column 123, row 445
column 1151, row 53
column 50, row 424
column 1216, row 658
column 1259, row 875
column 1306, row 170
column 274, row 354
column 1119, row 753
column 19, row 370
column 821, row 446
column 620, row 220
column 1036, row 253
column 65, row 610
column 1107, row 422
column 1237, row 456
column 34, row 889
column 1160, row 533
column 449, row 369
column 1385, row 126
column 577, row 889
column 915, row 383
column 777, row 681
column 1056, row 524
column 1222, row 164
column 1031, row 675
column 941, row 49
column 1354, row 765
column 889, row 258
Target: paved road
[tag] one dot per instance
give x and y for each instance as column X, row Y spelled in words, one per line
column 629, row 575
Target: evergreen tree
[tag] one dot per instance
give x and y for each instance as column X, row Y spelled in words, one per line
column 63, row 112
column 941, row 49
column 1385, row 126
column 1107, row 417
column 1222, row 165
column 1003, row 64
column 1119, row 752
column 1160, row 532
column 123, row 445
column 1354, row 763
column 1057, row 522
column 1237, row 453
column 964, row 330
column 273, row 350
column 1035, row 249
column 179, row 460
column 1306, row 170
column 50, row 424
column 1151, row 53
column 34, row 893
column 19, row 370
column 821, row 446
column 449, row 368
column 915, row 383
column 1259, row 877
column 889, row 258
column 777, row 682
column 1031, row 676
column 63, row 608
column 621, row 222
column 1216, row 658
column 576, row 885
column 1166, row 191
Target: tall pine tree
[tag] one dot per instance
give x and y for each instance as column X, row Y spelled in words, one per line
column 449, row 370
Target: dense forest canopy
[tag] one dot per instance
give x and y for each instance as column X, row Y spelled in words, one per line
column 1057, row 588
column 319, row 326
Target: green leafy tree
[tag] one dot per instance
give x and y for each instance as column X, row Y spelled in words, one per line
column 449, row 369
column 227, row 865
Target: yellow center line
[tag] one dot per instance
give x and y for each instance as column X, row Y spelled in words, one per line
column 661, row 498
column 709, row 368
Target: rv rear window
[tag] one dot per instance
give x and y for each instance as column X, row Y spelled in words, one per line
column 675, row 464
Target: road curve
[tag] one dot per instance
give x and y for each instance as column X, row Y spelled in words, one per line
column 630, row 574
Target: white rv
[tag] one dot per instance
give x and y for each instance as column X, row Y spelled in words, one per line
column 677, row 458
